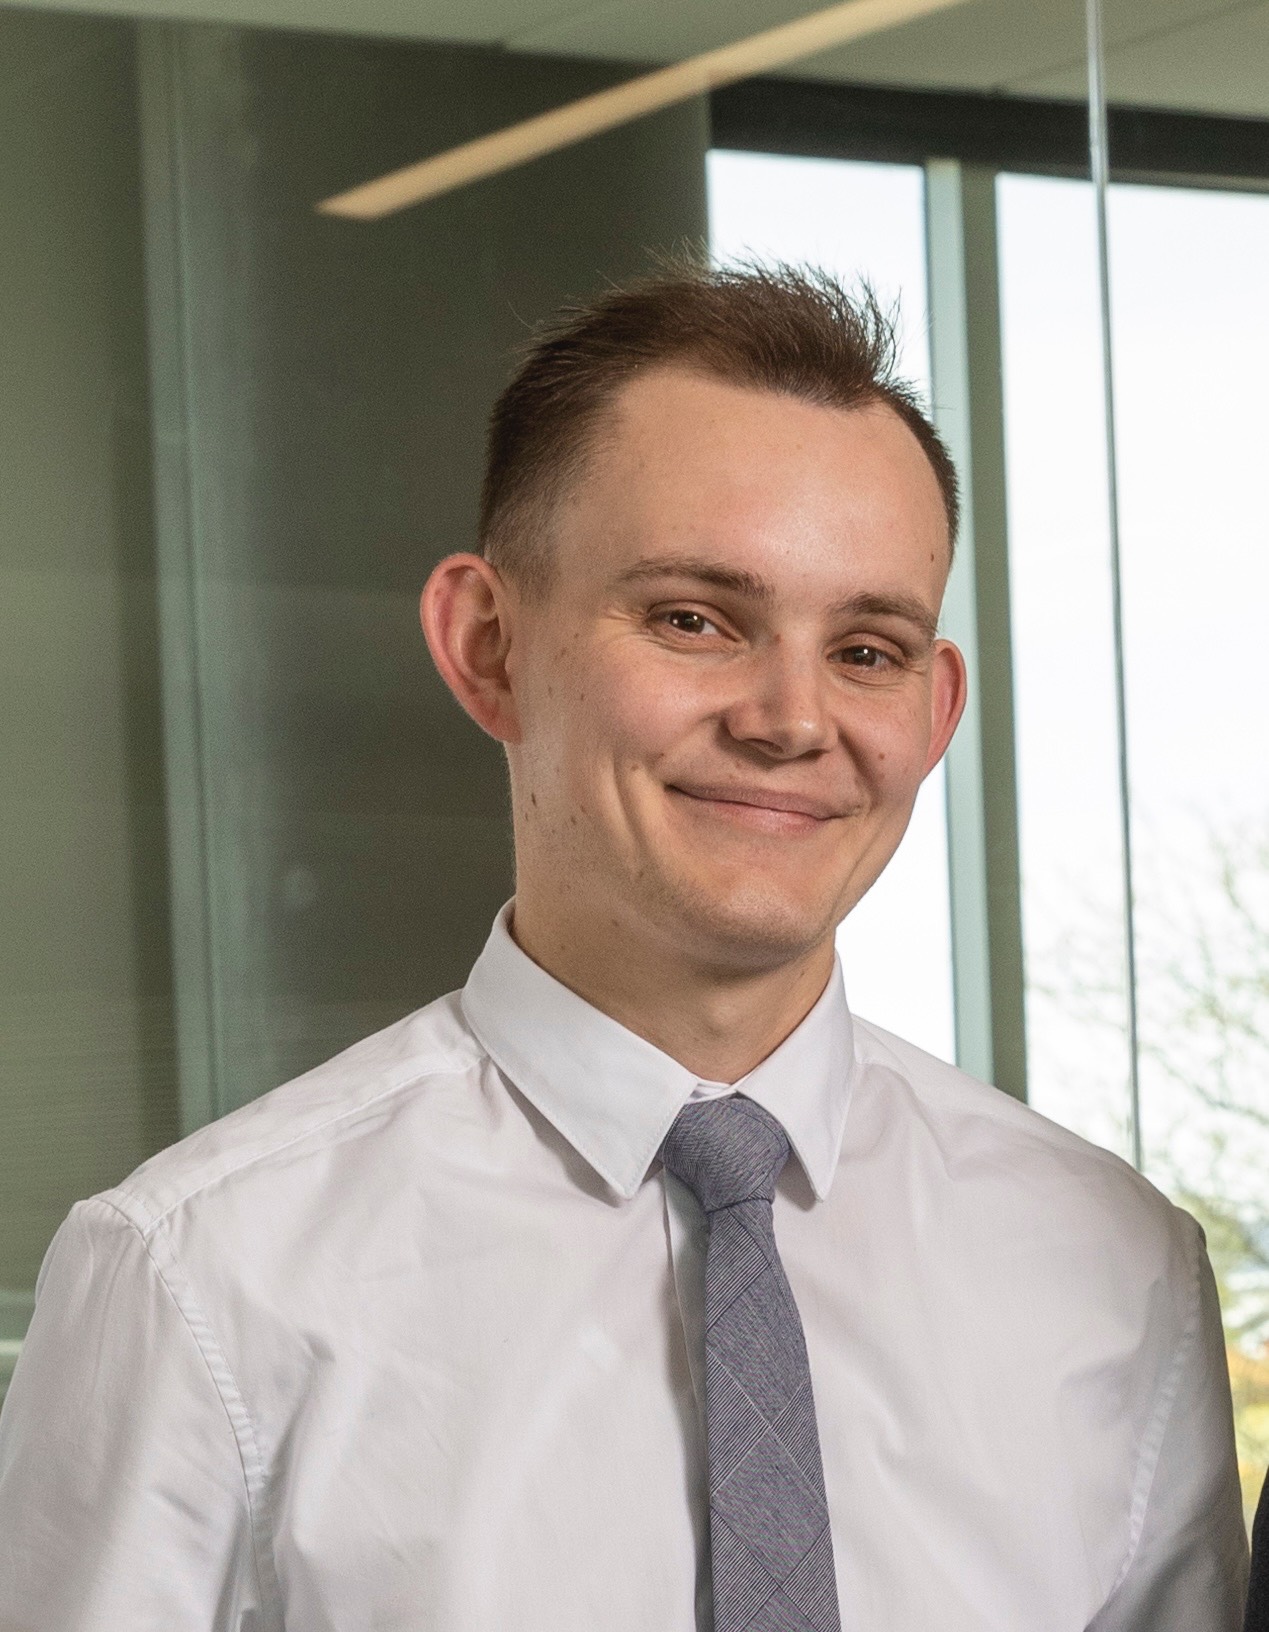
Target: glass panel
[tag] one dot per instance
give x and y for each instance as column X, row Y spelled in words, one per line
column 1191, row 354
column 863, row 221
column 1068, row 794
column 86, row 1021
column 1191, row 347
column 1191, row 357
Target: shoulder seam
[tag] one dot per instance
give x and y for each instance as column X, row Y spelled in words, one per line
column 123, row 1190
column 232, row 1403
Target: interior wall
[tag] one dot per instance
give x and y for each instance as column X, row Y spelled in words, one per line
column 86, row 1041
column 322, row 388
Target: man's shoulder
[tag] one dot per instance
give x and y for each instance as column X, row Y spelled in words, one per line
column 1028, row 1169
column 951, row 1094
column 355, row 1094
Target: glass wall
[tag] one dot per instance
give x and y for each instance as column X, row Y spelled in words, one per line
column 1063, row 652
column 1190, row 338
column 87, row 1041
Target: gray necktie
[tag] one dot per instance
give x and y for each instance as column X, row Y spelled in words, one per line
column 770, row 1542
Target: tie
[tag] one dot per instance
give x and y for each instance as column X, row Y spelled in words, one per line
column 770, row 1542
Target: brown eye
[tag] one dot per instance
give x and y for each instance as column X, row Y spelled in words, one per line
column 697, row 617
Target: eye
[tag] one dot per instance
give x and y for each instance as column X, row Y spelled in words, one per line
column 867, row 657
column 697, row 618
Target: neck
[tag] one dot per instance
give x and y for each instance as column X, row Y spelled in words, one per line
column 716, row 1023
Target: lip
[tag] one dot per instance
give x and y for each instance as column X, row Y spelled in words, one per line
column 760, row 799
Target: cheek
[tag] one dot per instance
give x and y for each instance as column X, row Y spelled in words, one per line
column 629, row 714
column 890, row 737
column 591, row 727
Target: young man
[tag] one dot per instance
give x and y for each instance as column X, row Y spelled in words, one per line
column 520, row 1313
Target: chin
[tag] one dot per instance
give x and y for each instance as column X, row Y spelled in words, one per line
column 751, row 924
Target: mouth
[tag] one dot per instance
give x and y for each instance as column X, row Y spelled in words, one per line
column 757, row 809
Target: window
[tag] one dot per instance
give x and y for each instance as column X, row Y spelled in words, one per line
column 1191, row 351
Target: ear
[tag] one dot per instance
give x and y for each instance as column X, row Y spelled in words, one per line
column 948, row 691
column 467, row 611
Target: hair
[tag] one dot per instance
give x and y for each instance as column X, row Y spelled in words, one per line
column 793, row 331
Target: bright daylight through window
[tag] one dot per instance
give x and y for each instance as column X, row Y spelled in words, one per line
column 1191, row 426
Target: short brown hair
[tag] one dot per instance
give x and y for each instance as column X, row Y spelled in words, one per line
column 793, row 331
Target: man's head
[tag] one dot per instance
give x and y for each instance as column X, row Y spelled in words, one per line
column 716, row 536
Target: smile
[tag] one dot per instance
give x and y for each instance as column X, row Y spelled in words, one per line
column 758, row 817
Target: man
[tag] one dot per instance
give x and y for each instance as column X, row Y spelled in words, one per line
column 520, row 1314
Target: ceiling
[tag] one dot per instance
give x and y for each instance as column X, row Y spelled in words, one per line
column 1198, row 55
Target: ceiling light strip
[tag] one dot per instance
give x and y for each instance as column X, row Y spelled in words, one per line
column 561, row 127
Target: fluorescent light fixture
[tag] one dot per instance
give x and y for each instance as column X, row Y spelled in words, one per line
column 561, row 127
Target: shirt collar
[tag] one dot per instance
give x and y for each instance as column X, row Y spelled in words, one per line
column 613, row 1095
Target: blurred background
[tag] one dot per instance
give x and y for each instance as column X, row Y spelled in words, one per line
column 243, row 823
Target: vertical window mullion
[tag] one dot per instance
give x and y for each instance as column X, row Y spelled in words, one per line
column 982, row 812
column 1099, row 159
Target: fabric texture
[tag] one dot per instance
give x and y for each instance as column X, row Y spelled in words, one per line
column 770, row 1539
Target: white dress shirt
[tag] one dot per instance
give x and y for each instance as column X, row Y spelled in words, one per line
column 414, row 1344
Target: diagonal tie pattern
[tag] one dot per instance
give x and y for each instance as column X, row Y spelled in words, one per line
column 770, row 1541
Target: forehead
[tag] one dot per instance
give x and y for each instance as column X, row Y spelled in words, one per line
column 685, row 459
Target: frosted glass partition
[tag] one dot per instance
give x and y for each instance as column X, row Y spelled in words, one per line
column 863, row 222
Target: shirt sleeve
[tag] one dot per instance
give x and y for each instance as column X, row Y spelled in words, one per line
column 123, row 1502
column 1188, row 1570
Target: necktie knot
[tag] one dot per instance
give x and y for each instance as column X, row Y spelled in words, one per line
column 726, row 1150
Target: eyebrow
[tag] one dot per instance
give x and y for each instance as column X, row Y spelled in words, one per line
column 756, row 588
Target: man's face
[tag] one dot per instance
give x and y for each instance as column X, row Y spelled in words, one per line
column 728, row 702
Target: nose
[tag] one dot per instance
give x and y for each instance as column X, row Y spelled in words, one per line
column 783, row 703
